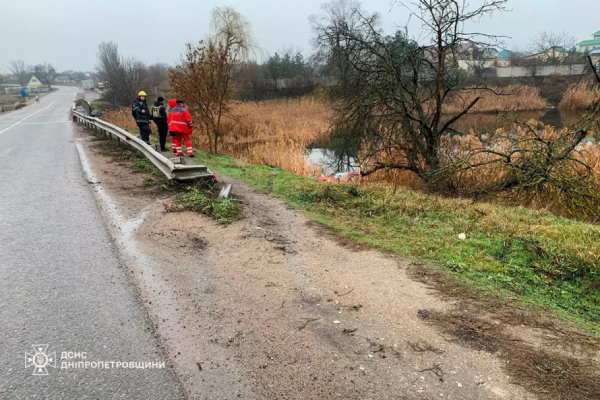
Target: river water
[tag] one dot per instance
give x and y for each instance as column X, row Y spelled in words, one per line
column 332, row 156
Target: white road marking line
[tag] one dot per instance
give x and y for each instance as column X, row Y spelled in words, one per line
column 50, row 115
column 45, row 123
column 30, row 115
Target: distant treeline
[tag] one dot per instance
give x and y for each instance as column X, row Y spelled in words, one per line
column 288, row 74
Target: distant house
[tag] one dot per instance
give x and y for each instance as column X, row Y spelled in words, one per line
column 475, row 59
column 34, row 83
column 595, row 56
column 62, row 79
column 505, row 58
column 470, row 51
column 589, row 45
column 554, row 53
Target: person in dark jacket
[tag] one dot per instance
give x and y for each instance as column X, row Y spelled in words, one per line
column 159, row 116
column 142, row 116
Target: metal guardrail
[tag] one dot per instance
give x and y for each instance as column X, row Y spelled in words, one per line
column 178, row 172
column 81, row 102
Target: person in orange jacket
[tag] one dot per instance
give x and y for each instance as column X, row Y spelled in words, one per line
column 180, row 127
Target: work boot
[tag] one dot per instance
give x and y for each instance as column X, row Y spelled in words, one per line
column 191, row 156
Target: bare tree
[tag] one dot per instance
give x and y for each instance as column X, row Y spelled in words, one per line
column 274, row 70
column 336, row 17
column 205, row 76
column 134, row 78
column 158, row 74
column 390, row 103
column 108, row 65
column 124, row 77
column 392, row 89
column 555, row 47
column 232, row 31
column 251, row 79
column 204, row 80
column 20, row 70
column 46, row 73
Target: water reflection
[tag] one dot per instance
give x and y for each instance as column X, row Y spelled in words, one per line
column 331, row 161
column 333, row 154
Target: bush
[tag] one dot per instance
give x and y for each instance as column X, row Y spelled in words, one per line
column 224, row 211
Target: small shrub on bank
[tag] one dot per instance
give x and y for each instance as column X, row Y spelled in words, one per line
column 224, row 211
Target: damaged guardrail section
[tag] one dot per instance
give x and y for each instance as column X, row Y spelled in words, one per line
column 178, row 172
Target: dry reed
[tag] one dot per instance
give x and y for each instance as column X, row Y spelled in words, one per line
column 121, row 118
column 580, row 96
column 511, row 98
column 277, row 133
column 274, row 133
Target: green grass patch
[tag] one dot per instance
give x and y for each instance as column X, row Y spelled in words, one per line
column 101, row 105
column 9, row 99
column 224, row 211
column 144, row 165
column 533, row 257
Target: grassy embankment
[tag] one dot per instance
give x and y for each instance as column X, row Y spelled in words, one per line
column 531, row 257
column 193, row 196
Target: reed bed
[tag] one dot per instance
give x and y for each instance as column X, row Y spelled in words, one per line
column 275, row 133
column 509, row 99
column 278, row 132
column 580, row 96
column 121, row 118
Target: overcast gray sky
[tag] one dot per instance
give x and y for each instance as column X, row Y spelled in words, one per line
column 66, row 33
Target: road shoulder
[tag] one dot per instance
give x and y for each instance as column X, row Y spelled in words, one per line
column 275, row 306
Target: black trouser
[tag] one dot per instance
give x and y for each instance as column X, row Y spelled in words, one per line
column 163, row 129
column 144, row 131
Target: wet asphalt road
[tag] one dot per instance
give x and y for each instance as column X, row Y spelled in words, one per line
column 61, row 281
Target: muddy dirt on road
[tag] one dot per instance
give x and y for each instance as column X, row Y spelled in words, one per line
column 273, row 306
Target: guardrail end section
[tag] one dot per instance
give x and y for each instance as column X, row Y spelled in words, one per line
column 178, row 160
